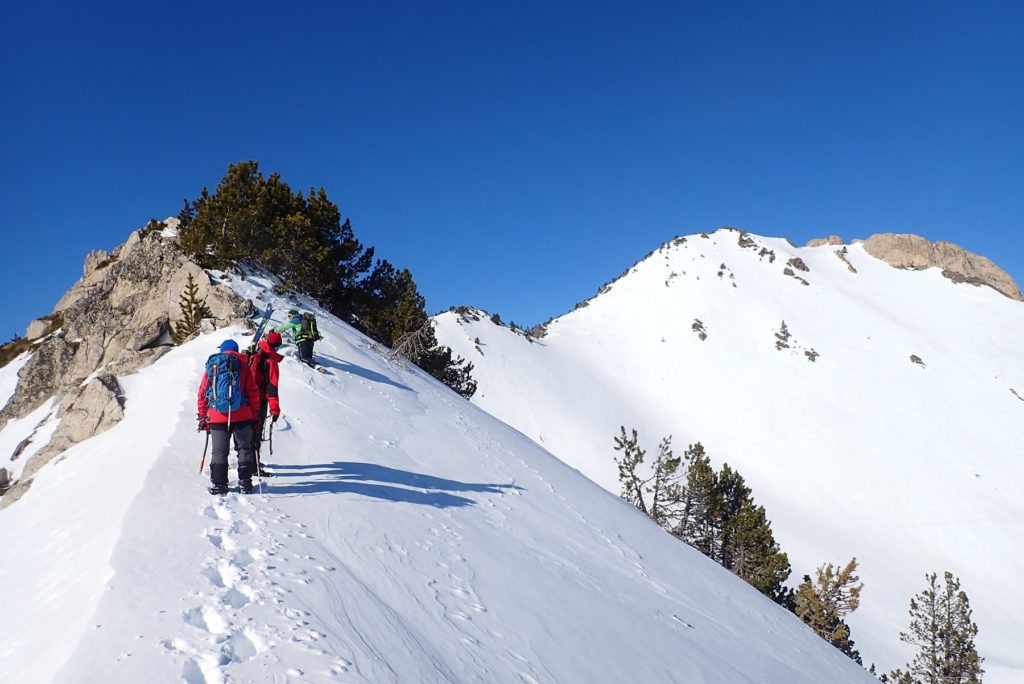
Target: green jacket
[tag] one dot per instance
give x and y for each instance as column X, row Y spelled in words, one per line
column 295, row 325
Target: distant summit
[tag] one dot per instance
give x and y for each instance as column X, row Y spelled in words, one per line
column 873, row 406
column 915, row 252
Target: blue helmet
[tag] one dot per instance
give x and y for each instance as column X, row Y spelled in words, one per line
column 229, row 345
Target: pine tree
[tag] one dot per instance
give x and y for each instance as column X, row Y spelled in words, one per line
column 712, row 512
column 823, row 603
column 718, row 517
column 665, row 489
column 185, row 216
column 193, row 311
column 943, row 631
column 697, row 525
column 629, row 478
column 455, row 373
column 753, row 554
column 301, row 239
column 659, row 494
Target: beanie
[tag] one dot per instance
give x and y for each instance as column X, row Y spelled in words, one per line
column 274, row 339
column 229, row 345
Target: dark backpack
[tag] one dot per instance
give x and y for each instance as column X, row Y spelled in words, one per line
column 224, row 391
column 309, row 331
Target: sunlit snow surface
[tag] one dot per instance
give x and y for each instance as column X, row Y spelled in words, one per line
column 911, row 467
column 406, row 537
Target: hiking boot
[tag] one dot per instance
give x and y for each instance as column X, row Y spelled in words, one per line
column 244, row 486
column 219, row 489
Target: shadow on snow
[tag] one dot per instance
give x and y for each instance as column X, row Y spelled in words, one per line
column 376, row 481
column 365, row 373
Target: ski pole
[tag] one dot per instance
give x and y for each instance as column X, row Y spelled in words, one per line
column 259, row 477
column 271, row 440
column 205, row 446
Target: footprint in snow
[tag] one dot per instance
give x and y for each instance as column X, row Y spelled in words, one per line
column 224, row 574
column 242, row 646
column 207, row 619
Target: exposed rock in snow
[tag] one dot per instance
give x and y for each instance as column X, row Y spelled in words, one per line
column 116, row 319
column 957, row 264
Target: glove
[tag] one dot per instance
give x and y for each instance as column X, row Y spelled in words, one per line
column 204, row 425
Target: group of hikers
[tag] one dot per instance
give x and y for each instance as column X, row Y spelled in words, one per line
column 238, row 392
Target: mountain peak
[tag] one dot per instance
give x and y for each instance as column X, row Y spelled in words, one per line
column 874, row 410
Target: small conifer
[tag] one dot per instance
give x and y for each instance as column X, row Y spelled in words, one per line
column 632, row 457
column 193, row 311
column 823, row 603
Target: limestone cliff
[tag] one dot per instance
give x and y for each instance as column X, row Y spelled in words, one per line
column 115, row 320
column 915, row 252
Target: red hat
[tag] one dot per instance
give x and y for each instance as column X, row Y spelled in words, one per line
column 274, row 339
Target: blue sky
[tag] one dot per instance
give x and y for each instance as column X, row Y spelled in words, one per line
column 515, row 155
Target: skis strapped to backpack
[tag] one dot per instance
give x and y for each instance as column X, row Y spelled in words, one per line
column 260, row 327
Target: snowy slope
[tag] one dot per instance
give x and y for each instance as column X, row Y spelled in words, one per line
column 407, row 537
column 911, row 467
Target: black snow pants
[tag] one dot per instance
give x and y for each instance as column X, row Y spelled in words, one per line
column 220, row 436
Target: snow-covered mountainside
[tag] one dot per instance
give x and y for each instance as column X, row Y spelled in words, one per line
column 875, row 412
column 407, row 536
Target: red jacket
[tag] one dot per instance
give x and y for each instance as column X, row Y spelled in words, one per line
column 268, row 385
column 247, row 411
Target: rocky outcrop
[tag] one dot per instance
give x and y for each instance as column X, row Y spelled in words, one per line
column 914, row 251
column 115, row 320
column 831, row 240
column 85, row 412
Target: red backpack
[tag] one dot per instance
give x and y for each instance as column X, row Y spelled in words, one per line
column 260, row 367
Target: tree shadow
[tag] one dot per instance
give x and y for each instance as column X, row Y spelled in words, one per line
column 347, row 367
column 377, row 481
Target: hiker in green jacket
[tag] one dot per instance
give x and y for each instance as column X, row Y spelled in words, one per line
column 304, row 333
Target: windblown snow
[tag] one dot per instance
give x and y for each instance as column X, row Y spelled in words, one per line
column 874, row 412
column 407, row 536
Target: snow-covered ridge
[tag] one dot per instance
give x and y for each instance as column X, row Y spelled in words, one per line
column 875, row 411
column 407, row 536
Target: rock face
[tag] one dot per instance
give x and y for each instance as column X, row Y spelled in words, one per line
column 831, row 240
column 913, row 251
column 115, row 320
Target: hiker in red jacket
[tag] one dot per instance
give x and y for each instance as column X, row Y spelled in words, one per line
column 263, row 364
column 228, row 404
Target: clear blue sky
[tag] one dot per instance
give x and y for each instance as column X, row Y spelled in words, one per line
column 513, row 155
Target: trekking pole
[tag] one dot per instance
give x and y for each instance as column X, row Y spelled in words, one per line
column 205, row 446
column 271, row 440
column 259, row 477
